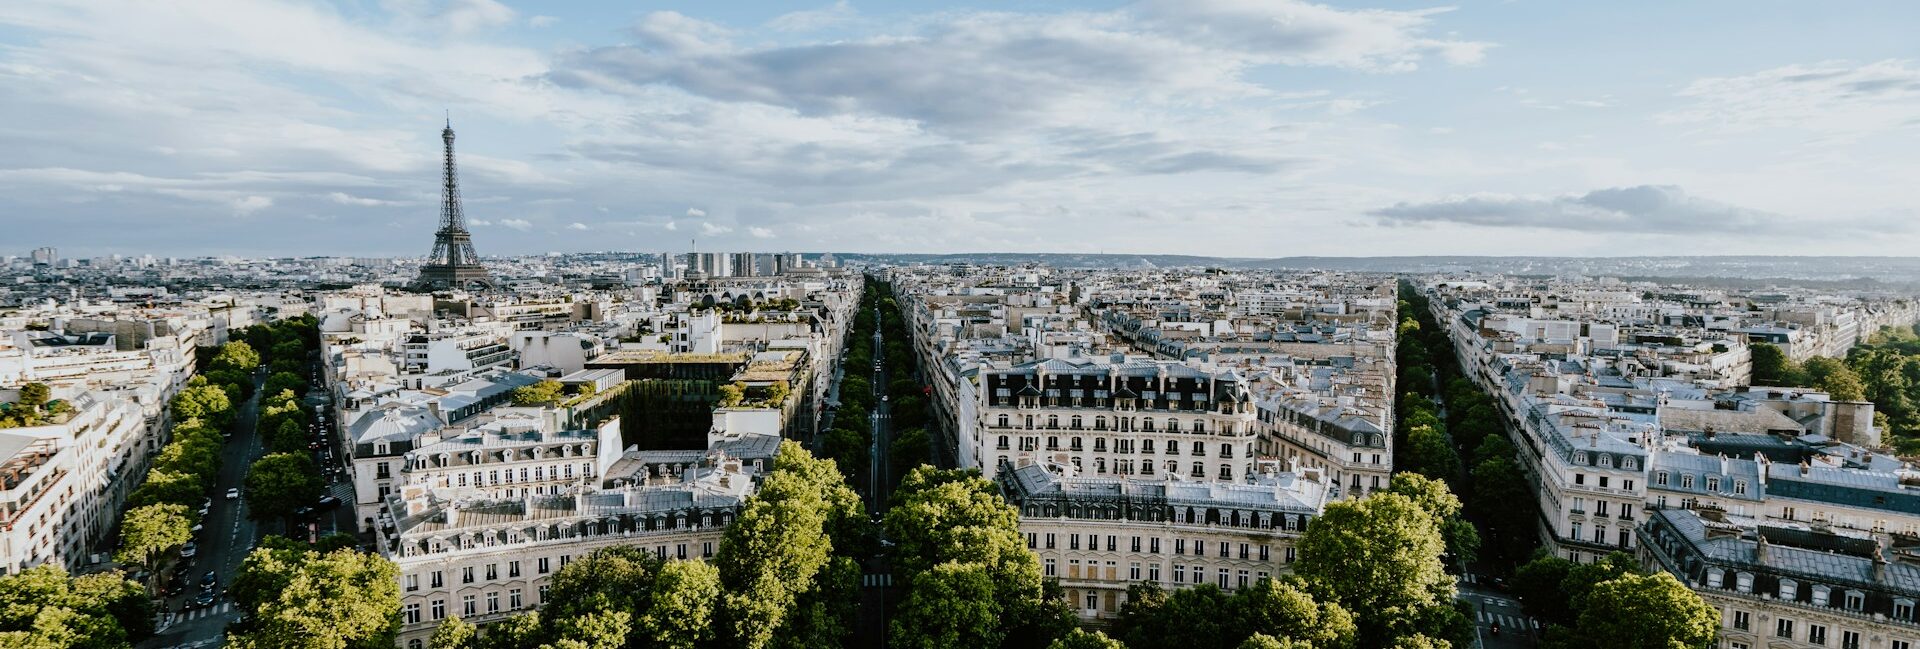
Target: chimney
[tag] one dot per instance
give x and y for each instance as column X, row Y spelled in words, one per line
column 1804, row 468
column 1879, row 563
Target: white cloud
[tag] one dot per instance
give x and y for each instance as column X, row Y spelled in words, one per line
column 470, row 15
column 522, row 225
column 542, row 21
column 1643, row 209
column 671, row 226
column 478, row 223
column 760, row 232
column 711, row 230
column 344, row 198
column 250, row 204
column 1835, row 97
column 807, row 20
column 696, row 212
column 577, row 226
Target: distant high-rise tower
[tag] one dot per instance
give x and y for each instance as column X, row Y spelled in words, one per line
column 453, row 264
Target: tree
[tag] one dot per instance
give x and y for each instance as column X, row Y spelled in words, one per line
column 287, row 437
column 338, row 600
column 681, row 611
column 776, row 546
column 164, row 486
column 546, row 392
column 732, row 394
column 600, row 629
column 778, row 392
column 204, row 402
column 35, row 395
column 44, row 607
column 1771, row 367
column 1420, row 641
column 1284, row 609
column 280, row 483
column 1429, row 451
column 287, row 381
column 1836, row 379
column 453, row 633
column 910, row 449
column 954, row 605
column 236, row 355
column 1647, row 612
column 1083, row 639
column 1537, row 584
column 1379, row 557
column 848, row 449
column 149, row 533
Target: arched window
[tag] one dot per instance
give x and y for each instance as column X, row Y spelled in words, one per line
column 1003, row 421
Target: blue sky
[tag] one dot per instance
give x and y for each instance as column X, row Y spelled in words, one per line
column 1224, row 127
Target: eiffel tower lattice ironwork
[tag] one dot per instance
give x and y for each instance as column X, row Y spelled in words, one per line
column 453, row 263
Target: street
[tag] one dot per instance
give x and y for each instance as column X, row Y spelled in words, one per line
column 1493, row 607
column 223, row 543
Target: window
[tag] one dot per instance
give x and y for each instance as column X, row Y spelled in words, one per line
column 1740, row 487
column 513, row 569
column 1789, row 590
column 1783, row 627
column 1817, row 634
column 513, row 599
column 1716, row 578
column 413, row 583
column 1903, row 610
column 1133, row 571
column 1821, row 595
column 493, row 571
column 1221, row 578
column 1686, row 482
column 435, row 580
column 1179, row 546
column 1052, row 567
column 466, row 575
column 1579, row 478
column 1050, row 541
column 543, row 565
column 1713, row 483
column 493, row 602
column 1743, row 582
column 1179, row 573
column 1855, row 600
column 1850, row 640
column 1153, row 546
column 1900, row 644
column 1742, row 620
column 467, row 606
column 412, row 611
column 1153, row 572
column 1136, row 544
column 1660, row 478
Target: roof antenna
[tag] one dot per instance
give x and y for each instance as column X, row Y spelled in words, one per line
column 449, row 117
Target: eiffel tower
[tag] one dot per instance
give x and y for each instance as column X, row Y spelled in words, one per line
column 453, row 263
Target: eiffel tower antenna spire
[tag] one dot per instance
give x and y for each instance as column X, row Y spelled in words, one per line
column 453, row 263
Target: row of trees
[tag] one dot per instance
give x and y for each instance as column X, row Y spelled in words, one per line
column 786, row 575
column 165, row 507
column 1884, row 370
column 286, row 478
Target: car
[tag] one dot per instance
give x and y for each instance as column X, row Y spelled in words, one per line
column 328, row 502
column 187, row 551
column 233, row 494
column 205, row 503
column 883, row 397
column 204, row 600
column 209, row 580
column 199, row 526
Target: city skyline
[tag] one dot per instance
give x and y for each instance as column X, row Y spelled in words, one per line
column 1217, row 128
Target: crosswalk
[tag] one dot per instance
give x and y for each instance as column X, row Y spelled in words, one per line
column 1506, row 621
column 877, row 580
column 171, row 618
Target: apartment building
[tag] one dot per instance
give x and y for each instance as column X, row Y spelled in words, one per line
column 1117, row 417
column 484, row 559
column 66, row 482
column 1099, row 535
column 1790, row 588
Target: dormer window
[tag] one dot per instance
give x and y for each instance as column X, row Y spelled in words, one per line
column 1580, row 457
column 1713, row 483
column 380, row 448
column 1630, row 464
column 1686, row 482
column 1606, row 461
column 1789, row 589
column 1740, row 487
column 1660, row 478
column 1822, row 595
column 1743, row 582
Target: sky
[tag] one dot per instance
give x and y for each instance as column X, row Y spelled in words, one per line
column 1244, row 128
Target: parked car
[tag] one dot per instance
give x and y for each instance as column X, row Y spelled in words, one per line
column 233, row 494
column 187, row 551
column 199, row 526
column 328, row 502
